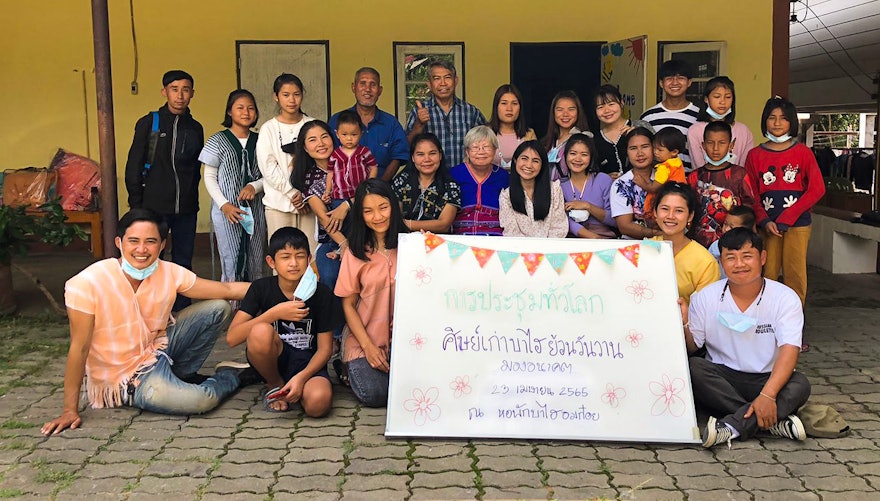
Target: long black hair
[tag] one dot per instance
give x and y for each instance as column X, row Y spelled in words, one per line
column 690, row 197
column 711, row 85
column 302, row 162
column 233, row 97
column 541, row 196
column 553, row 129
column 442, row 177
column 362, row 239
column 587, row 141
column 519, row 125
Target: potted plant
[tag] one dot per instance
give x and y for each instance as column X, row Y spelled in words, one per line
column 19, row 227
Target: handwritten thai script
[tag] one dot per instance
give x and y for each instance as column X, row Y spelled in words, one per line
column 557, row 299
column 543, row 411
column 524, row 342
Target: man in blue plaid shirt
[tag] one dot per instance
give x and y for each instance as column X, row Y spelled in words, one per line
column 443, row 114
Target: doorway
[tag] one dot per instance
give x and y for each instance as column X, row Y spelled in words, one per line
column 540, row 70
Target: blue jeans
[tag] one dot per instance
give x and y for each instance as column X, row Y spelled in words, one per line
column 183, row 233
column 190, row 341
column 328, row 272
column 369, row 385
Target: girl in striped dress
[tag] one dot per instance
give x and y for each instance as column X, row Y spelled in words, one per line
column 235, row 184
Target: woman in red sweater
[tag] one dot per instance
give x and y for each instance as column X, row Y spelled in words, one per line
column 786, row 181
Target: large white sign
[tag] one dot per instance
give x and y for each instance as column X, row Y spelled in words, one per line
column 538, row 338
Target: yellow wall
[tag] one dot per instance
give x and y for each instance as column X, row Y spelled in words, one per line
column 48, row 44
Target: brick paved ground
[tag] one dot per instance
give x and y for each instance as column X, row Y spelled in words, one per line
column 241, row 452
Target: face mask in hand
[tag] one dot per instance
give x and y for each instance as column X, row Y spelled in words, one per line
column 137, row 274
column 247, row 220
column 553, row 155
column 579, row 215
column 308, row 284
column 737, row 322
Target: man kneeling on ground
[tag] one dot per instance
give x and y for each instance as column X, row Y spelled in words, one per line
column 119, row 312
column 288, row 322
column 752, row 329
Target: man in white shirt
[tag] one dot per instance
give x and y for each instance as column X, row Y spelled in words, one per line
column 751, row 329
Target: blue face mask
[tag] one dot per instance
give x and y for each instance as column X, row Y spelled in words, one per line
column 716, row 116
column 727, row 158
column 553, row 155
column 247, row 221
column 308, row 284
column 777, row 139
column 737, row 322
column 137, row 274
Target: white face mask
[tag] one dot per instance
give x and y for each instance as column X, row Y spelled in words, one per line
column 737, row 322
column 308, row 284
column 777, row 139
column 727, row 158
column 247, row 221
column 716, row 116
column 138, row 274
column 579, row 215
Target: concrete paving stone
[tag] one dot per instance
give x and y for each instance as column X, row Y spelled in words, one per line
column 738, row 455
column 371, row 420
column 177, row 469
column 819, row 470
column 258, row 470
column 845, row 496
column 95, row 496
column 872, row 469
column 518, row 493
column 858, row 388
column 305, row 496
column 384, row 466
column 380, row 495
column 625, row 454
column 118, row 470
column 715, row 495
column 25, row 480
column 565, row 450
column 371, row 411
column 684, row 456
column 125, row 456
column 190, row 432
column 836, row 484
column 423, row 494
column 64, row 443
column 384, row 451
column 847, row 443
column 859, row 456
column 760, row 470
column 82, row 486
column 136, row 445
column 649, row 494
column 496, row 463
column 13, row 456
column 156, row 485
column 306, row 455
column 259, row 433
column 583, row 493
column 310, row 442
column 157, row 422
column 246, row 456
column 772, row 484
column 238, row 496
column 255, row 485
column 511, row 479
column 695, row 469
column 439, row 480
column 793, row 496
column 722, row 480
column 324, row 431
column 247, row 444
column 503, row 450
column 575, row 480
column 438, row 450
column 360, row 437
column 635, row 467
column 54, row 456
column 330, row 468
column 622, row 481
column 436, row 465
column 200, row 454
column 805, row 457
column 313, row 483
column 571, row 465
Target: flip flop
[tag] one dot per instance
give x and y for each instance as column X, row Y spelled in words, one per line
column 267, row 401
column 341, row 372
column 805, row 347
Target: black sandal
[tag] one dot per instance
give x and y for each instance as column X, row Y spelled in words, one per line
column 341, row 372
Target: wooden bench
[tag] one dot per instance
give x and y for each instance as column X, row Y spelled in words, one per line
column 841, row 246
column 93, row 219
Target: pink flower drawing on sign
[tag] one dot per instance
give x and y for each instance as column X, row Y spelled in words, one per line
column 668, row 399
column 423, row 405
column 634, row 337
column 461, row 385
column 639, row 290
column 613, row 395
column 422, row 274
column 418, row 341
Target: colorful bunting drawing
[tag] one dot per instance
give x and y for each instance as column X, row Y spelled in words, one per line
column 606, row 255
column 581, row 260
column 507, row 259
column 432, row 241
column 631, row 253
column 532, row 260
column 482, row 255
column 654, row 244
column 455, row 249
column 557, row 261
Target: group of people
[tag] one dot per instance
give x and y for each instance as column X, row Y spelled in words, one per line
column 330, row 200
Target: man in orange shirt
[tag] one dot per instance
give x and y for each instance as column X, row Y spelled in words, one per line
column 122, row 335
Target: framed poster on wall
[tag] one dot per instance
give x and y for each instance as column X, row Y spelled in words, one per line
column 411, row 60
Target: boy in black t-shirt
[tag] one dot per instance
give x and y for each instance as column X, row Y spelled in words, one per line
column 288, row 322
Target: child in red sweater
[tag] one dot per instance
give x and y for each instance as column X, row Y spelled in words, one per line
column 786, row 182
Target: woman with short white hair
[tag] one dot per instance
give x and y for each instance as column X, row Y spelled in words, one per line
column 481, row 183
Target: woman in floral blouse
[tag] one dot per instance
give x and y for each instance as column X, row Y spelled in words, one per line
column 429, row 197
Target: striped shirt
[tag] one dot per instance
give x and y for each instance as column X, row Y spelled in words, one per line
column 659, row 117
column 350, row 171
column 129, row 325
column 450, row 128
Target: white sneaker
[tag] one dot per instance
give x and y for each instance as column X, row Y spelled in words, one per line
column 790, row 427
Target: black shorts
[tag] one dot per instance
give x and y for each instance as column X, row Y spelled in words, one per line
column 292, row 361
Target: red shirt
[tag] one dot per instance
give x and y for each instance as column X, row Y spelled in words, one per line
column 786, row 184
